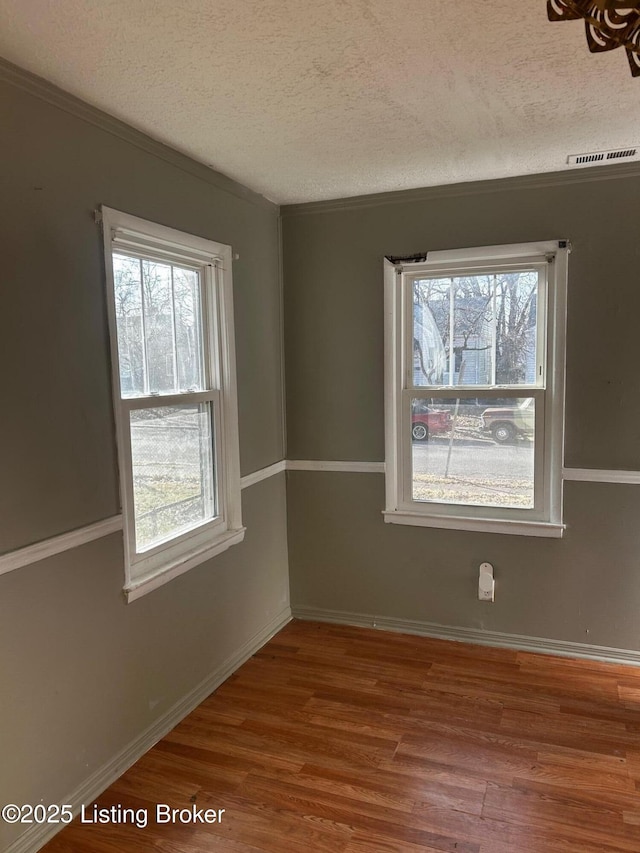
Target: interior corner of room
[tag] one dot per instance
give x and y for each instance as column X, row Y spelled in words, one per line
column 90, row 681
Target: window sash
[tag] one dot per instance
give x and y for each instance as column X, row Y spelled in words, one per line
column 136, row 238
column 200, row 327
column 407, row 503
column 408, row 280
column 550, row 257
column 411, row 391
column 210, row 357
column 213, row 398
column 210, row 354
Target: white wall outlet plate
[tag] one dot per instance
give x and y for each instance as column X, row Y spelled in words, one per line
column 486, row 583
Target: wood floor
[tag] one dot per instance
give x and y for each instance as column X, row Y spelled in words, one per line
column 349, row 740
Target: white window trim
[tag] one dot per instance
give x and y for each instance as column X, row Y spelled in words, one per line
column 166, row 561
column 546, row 520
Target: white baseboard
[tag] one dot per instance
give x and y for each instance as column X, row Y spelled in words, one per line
column 38, row 834
column 562, row 648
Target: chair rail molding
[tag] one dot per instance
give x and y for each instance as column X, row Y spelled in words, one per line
column 74, row 538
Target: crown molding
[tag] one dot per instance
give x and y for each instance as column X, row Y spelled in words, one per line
column 567, row 177
column 46, row 91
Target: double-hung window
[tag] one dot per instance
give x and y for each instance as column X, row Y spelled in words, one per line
column 474, row 388
column 172, row 344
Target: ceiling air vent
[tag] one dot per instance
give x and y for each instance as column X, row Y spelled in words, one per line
column 603, row 157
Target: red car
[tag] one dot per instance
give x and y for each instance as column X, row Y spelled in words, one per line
column 426, row 421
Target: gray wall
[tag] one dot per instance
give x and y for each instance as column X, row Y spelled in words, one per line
column 583, row 588
column 82, row 674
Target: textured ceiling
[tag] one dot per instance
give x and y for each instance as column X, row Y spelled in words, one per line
column 303, row 100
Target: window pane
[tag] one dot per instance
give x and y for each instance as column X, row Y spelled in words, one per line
column 431, row 331
column 158, row 321
column 128, row 304
column 159, row 325
column 473, row 335
column 473, row 452
column 186, row 296
column 173, row 478
column 475, row 329
column 516, row 300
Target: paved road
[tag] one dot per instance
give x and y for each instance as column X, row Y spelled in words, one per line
column 474, row 458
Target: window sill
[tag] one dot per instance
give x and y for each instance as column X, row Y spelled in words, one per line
column 147, row 583
column 547, row 529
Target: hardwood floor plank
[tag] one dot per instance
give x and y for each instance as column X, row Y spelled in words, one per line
column 353, row 814
column 594, row 764
column 489, row 759
column 328, row 783
column 368, row 842
column 193, row 771
column 585, row 734
column 568, row 815
column 334, row 739
column 276, row 828
column 331, row 745
column 201, row 842
column 242, row 746
column 553, row 775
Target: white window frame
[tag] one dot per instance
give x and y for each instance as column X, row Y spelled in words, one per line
column 545, row 519
column 146, row 570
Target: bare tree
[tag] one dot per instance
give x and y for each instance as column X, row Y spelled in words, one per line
column 158, row 318
column 493, row 314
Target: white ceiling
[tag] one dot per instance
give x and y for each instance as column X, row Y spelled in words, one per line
column 303, row 100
